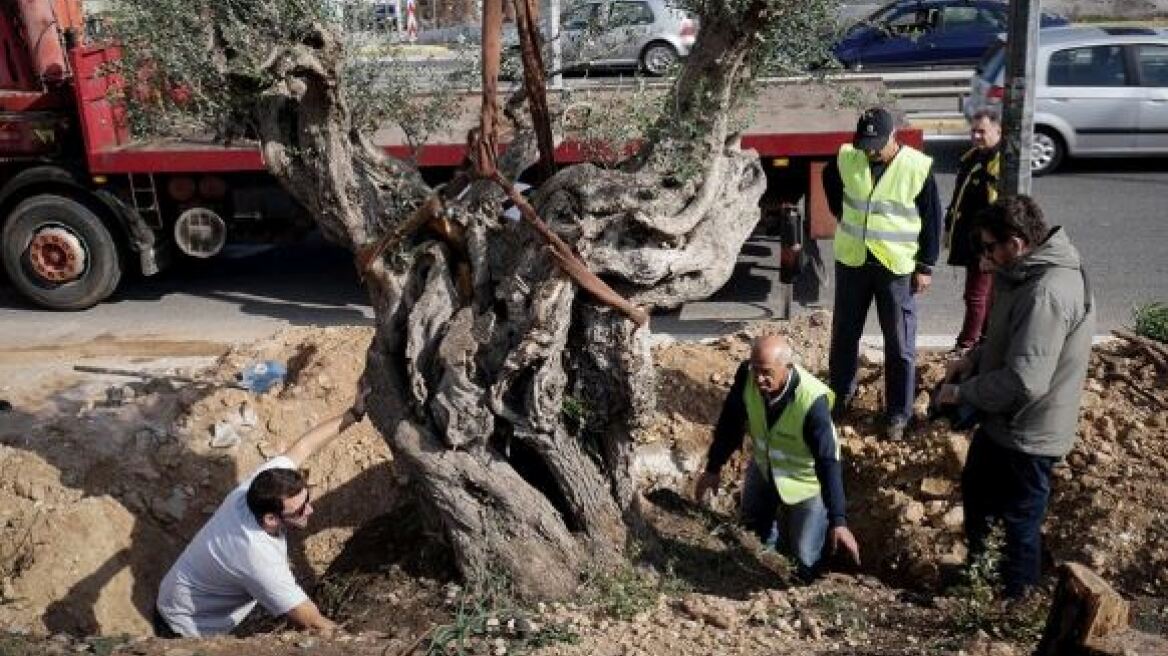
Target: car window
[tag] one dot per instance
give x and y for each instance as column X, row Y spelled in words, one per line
column 911, row 20
column 581, row 17
column 1093, row 66
column 1153, row 65
column 961, row 17
column 624, row 14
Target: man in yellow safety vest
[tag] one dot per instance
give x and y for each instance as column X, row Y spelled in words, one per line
column 795, row 474
column 889, row 236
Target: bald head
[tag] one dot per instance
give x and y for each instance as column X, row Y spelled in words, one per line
column 770, row 356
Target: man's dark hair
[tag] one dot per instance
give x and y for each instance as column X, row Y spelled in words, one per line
column 1016, row 216
column 270, row 487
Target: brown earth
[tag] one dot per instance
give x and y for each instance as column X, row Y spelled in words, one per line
column 100, row 489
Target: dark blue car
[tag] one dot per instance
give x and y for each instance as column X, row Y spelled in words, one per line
column 926, row 33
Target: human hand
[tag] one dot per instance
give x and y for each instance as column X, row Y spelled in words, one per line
column 356, row 412
column 949, row 395
column 706, row 482
column 841, row 537
column 956, row 368
column 921, row 282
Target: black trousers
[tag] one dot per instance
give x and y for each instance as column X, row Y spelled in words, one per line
column 1012, row 487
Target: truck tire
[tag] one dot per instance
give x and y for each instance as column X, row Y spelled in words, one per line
column 59, row 254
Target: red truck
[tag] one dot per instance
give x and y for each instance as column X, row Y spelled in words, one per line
column 82, row 202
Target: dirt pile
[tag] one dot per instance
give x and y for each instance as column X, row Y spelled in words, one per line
column 102, row 485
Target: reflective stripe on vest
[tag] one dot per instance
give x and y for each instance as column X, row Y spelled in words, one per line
column 792, row 466
column 881, row 218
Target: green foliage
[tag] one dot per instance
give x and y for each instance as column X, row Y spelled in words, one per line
column 624, row 593
column 488, row 615
column 981, row 607
column 1151, row 321
column 201, row 66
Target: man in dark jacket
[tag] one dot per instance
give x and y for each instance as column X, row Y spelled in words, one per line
column 975, row 190
column 1026, row 379
column 795, row 470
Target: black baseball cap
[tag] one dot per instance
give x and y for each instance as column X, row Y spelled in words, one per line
column 873, row 129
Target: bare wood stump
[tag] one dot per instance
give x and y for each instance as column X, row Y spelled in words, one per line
column 1089, row 618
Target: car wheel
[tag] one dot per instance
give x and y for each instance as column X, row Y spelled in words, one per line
column 658, row 58
column 1047, row 152
column 59, row 254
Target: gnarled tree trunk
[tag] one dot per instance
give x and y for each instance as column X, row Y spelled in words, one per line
column 507, row 395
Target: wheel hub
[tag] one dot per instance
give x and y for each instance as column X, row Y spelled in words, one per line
column 56, row 255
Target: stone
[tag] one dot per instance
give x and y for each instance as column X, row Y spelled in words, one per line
column 225, row 436
column 957, row 448
column 937, row 488
column 179, row 651
column 7, row 592
column 247, row 416
column 954, row 518
column 913, row 513
column 306, row 643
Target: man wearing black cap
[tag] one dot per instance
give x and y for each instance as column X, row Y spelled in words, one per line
column 889, row 236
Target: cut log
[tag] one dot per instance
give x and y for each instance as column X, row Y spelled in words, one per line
column 1089, row 618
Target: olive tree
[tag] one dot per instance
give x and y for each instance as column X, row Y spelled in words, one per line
column 507, row 392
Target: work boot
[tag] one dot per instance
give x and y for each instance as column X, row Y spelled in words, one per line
column 897, row 429
column 842, row 407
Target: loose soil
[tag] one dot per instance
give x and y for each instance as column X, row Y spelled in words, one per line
column 101, row 486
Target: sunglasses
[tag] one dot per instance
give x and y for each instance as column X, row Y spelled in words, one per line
column 299, row 512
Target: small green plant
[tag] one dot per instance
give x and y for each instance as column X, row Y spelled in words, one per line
column 982, row 607
column 628, row 591
column 490, row 614
column 1151, row 321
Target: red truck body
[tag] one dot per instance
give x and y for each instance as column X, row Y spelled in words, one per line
column 81, row 201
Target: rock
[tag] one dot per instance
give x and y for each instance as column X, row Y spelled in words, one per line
column 173, row 508
column 225, row 436
column 954, row 518
column 937, row 488
column 1102, row 458
column 499, row 647
column 247, row 416
column 957, row 448
column 179, row 651
column 913, row 513
column 492, row 624
column 306, row 643
column 7, row 592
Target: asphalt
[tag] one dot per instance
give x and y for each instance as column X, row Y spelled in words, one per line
column 1112, row 209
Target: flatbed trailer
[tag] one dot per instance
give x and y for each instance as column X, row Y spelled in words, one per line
column 82, row 202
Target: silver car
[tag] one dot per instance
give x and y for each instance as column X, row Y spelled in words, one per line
column 1101, row 92
column 648, row 34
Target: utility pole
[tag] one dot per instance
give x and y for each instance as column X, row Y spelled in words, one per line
column 1018, row 104
column 556, row 36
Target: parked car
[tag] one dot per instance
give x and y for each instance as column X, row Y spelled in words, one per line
column 1101, row 92
column 926, row 33
column 645, row 34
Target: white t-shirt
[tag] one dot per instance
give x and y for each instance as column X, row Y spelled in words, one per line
column 229, row 565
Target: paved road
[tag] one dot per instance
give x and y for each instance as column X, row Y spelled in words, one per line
column 1113, row 210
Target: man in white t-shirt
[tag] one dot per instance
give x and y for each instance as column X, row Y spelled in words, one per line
column 240, row 556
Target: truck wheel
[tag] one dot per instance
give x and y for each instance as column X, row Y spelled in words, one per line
column 59, row 254
column 658, row 58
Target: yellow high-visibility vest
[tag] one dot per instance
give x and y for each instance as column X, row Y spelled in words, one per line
column 881, row 218
column 792, row 466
